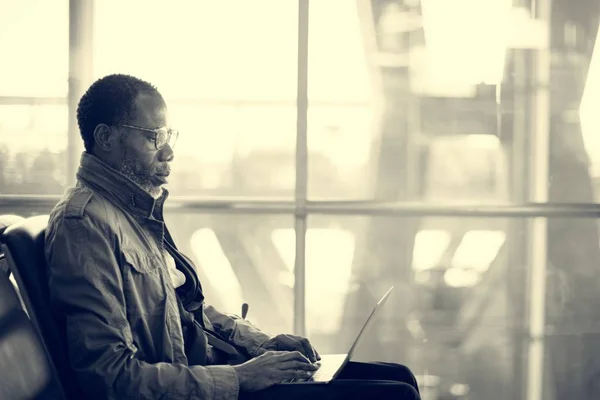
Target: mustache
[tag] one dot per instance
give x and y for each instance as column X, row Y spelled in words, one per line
column 164, row 170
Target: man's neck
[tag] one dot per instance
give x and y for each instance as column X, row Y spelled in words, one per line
column 117, row 185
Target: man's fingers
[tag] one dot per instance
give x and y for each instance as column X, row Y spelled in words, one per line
column 290, row 341
column 293, row 356
column 298, row 365
column 317, row 354
column 298, row 343
column 304, row 346
column 308, row 350
column 273, row 353
column 295, row 374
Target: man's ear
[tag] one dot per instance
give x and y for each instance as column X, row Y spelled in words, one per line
column 104, row 137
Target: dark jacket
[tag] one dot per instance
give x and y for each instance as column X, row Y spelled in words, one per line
column 129, row 334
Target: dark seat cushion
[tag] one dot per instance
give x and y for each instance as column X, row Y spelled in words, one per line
column 6, row 221
column 23, row 245
column 26, row 372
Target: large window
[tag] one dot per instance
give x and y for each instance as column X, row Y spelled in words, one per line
column 34, row 43
column 228, row 79
column 446, row 145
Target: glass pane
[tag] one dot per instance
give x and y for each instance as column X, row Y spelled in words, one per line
column 33, row 142
column 34, row 43
column 458, row 313
column 574, row 74
column 422, row 108
column 238, row 262
column 341, row 113
column 230, row 150
column 228, row 73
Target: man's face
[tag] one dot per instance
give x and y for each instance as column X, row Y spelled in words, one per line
column 140, row 160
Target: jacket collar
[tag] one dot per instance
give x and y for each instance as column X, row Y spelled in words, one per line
column 117, row 187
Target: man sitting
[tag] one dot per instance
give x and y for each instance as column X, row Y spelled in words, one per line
column 136, row 322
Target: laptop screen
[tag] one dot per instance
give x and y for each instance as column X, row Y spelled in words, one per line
column 369, row 321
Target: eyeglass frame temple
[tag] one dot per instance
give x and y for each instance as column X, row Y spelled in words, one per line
column 155, row 131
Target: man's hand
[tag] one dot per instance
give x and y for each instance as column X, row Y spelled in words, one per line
column 271, row 368
column 292, row 343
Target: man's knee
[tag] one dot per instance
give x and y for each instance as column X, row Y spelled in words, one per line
column 403, row 373
column 401, row 369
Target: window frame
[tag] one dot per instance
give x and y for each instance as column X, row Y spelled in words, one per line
column 537, row 208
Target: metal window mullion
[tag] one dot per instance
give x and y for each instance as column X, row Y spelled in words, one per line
column 539, row 168
column 300, row 215
column 229, row 205
column 81, row 20
column 517, row 250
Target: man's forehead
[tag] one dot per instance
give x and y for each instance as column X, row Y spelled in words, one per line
column 150, row 110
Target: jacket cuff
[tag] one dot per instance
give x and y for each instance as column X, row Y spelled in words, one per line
column 249, row 337
column 255, row 348
column 225, row 381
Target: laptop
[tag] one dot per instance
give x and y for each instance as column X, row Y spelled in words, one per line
column 332, row 364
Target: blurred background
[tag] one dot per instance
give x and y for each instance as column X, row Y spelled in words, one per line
column 451, row 148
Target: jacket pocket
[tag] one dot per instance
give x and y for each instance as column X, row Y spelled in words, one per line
column 143, row 283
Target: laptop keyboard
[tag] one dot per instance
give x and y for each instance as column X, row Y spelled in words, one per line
column 328, row 366
column 326, row 370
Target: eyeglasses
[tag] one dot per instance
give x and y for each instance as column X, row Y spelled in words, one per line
column 162, row 136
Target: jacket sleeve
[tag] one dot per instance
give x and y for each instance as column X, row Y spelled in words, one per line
column 239, row 331
column 86, row 288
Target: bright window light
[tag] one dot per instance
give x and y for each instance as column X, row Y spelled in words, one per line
column 336, row 53
column 424, row 81
column 201, row 49
column 238, row 51
column 482, row 142
column 338, row 72
column 430, row 246
column 526, row 32
column 34, row 127
column 329, row 256
column 206, row 132
column 265, row 128
column 343, row 134
column 459, row 389
column 34, row 44
column 15, row 118
column 217, row 268
column 478, row 249
column 460, row 278
column 589, row 110
column 466, row 39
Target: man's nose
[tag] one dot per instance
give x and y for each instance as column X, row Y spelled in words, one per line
column 166, row 153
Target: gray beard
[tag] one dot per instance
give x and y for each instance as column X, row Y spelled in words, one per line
column 128, row 168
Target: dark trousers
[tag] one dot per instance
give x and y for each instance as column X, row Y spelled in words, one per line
column 357, row 381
